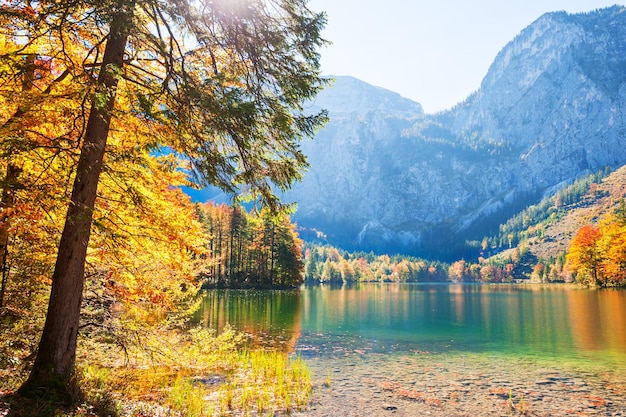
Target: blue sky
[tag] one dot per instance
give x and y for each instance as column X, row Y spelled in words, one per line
column 435, row 52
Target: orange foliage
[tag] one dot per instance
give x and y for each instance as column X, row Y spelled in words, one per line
column 599, row 252
column 146, row 241
column 583, row 257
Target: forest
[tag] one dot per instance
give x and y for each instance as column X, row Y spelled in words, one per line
column 533, row 220
column 106, row 110
column 329, row 265
column 597, row 257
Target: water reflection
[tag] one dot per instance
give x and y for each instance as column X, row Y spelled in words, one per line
column 598, row 319
column 271, row 318
column 534, row 320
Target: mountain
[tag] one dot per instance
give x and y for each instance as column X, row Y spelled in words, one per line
column 387, row 177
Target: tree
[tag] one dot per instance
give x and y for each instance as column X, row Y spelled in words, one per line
column 457, row 271
column 10, row 181
column 34, row 140
column 219, row 82
column 331, row 272
column 620, row 213
column 57, row 349
column 289, row 267
column 311, row 269
column 583, row 256
column 612, row 245
column 490, row 273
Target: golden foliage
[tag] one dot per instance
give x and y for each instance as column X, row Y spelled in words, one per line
column 597, row 254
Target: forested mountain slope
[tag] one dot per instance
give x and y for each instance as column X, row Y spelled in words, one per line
column 601, row 199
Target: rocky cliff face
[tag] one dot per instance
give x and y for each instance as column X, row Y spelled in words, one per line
column 385, row 176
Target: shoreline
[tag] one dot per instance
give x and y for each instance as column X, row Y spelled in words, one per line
column 423, row 383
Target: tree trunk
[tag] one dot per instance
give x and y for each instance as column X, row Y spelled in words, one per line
column 272, row 253
column 6, row 204
column 56, row 355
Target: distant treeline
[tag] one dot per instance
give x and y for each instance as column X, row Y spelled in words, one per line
column 327, row 264
column 262, row 250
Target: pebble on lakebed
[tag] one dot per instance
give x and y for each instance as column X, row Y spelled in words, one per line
column 413, row 384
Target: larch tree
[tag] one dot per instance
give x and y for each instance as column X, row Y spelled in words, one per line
column 221, row 83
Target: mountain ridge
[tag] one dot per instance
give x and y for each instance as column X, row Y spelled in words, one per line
column 387, row 177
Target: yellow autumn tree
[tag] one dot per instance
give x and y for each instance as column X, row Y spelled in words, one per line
column 597, row 254
column 584, row 257
column 145, row 242
column 613, row 247
column 38, row 147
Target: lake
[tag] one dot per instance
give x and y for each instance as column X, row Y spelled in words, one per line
column 516, row 339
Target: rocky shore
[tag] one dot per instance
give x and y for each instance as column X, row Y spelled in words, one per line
column 428, row 384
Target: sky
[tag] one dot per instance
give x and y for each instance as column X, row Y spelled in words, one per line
column 435, row 52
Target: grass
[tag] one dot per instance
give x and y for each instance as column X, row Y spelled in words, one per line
column 520, row 407
column 192, row 373
column 186, row 398
column 327, row 380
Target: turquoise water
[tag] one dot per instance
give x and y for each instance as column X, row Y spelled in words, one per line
column 559, row 323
